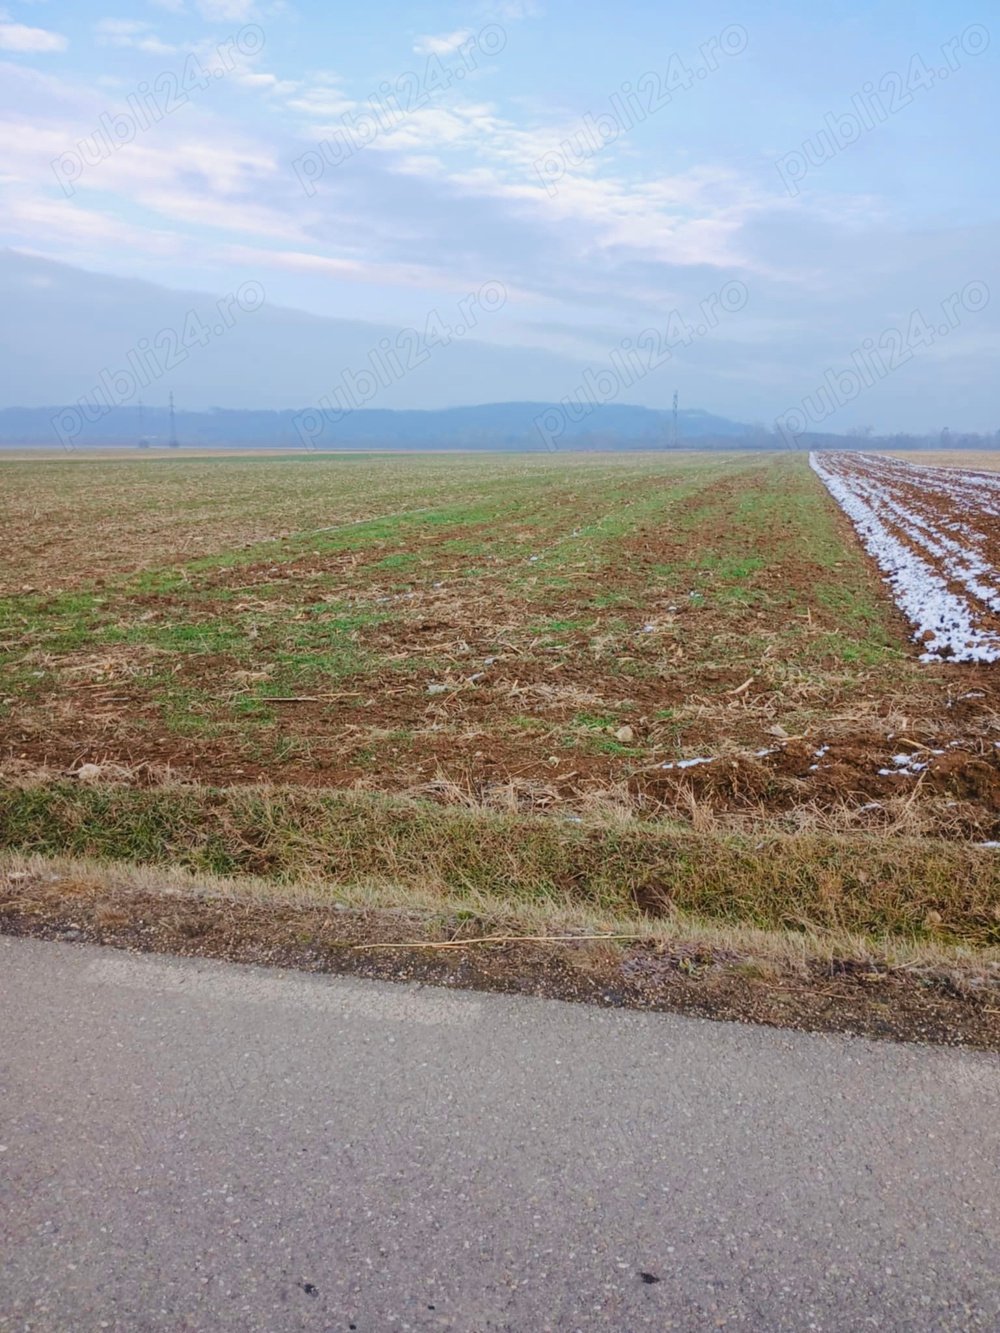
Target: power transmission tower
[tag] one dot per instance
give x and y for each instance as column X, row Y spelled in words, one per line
column 673, row 426
column 173, row 442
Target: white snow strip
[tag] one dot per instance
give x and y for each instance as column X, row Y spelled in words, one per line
column 870, row 489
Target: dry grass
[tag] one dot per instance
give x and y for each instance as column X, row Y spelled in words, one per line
column 984, row 460
column 604, row 865
column 437, row 913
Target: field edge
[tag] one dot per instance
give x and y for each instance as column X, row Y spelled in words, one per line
column 917, row 900
column 878, row 885
column 814, row 981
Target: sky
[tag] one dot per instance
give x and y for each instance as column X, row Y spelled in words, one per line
column 784, row 212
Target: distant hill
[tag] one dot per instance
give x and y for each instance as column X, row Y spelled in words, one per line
column 490, row 426
column 69, row 336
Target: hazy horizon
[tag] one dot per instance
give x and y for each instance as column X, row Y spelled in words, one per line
column 269, row 205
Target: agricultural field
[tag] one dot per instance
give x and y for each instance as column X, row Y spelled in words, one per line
column 653, row 631
column 671, row 669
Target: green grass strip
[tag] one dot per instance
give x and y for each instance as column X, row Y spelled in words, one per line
column 878, row 886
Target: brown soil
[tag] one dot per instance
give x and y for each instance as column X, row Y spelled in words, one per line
column 381, row 727
column 820, row 742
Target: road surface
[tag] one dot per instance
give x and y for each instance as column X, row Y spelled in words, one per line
column 193, row 1145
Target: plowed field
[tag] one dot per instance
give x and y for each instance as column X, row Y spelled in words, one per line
column 697, row 636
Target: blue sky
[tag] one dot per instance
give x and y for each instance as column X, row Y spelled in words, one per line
column 482, row 162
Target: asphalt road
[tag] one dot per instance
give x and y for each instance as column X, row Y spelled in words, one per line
column 202, row 1146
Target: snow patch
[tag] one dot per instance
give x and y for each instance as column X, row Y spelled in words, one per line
column 874, row 492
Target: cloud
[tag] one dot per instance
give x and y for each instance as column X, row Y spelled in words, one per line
column 213, row 10
column 62, row 223
column 132, row 33
column 267, row 82
column 195, row 206
column 512, row 10
column 216, row 10
column 115, row 30
column 19, row 37
column 689, row 218
column 350, row 270
column 191, row 171
column 443, row 44
column 449, row 187
column 323, row 99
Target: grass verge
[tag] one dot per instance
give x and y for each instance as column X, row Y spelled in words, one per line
column 827, row 981
column 918, row 891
